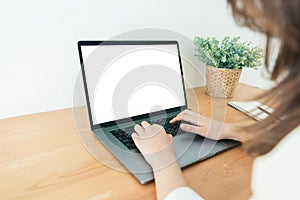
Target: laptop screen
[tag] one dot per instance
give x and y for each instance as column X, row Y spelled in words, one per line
column 130, row 79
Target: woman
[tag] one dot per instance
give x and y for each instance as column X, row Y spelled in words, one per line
column 274, row 140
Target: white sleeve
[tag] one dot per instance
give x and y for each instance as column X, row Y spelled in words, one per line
column 183, row 193
column 276, row 175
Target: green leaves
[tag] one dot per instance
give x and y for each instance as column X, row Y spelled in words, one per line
column 229, row 53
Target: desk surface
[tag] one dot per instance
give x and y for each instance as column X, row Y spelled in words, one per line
column 42, row 157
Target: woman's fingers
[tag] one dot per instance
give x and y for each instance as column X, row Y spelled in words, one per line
column 204, row 131
column 140, row 130
column 135, row 137
column 146, row 129
column 188, row 116
column 145, row 124
column 199, row 125
column 177, row 118
column 192, row 119
column 200, row 130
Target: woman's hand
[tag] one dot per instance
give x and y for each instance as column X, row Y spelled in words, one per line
column 158, row 149
column 207, row 127
column 155, row 144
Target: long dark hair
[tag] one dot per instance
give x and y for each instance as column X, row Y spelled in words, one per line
column 278, row 19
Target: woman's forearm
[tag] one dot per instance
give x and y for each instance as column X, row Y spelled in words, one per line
column 168, row 179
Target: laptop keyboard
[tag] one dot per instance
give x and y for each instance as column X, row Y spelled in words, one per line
column 124, row 134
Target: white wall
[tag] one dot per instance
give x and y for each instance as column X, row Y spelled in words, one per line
column 38, row 55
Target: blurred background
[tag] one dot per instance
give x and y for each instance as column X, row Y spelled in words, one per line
column 38, row 42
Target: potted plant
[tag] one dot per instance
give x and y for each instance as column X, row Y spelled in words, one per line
column 224, row 62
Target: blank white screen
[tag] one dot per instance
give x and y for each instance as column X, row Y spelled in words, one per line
column 130, row 80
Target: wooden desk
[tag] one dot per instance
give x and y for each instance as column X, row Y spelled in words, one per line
column 42, row 157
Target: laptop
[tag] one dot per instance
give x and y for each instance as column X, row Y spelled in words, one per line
column 126, row 82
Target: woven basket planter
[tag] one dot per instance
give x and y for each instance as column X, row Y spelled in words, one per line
column 221, row 82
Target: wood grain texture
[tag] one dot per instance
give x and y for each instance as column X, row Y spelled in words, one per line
column 42, row 157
